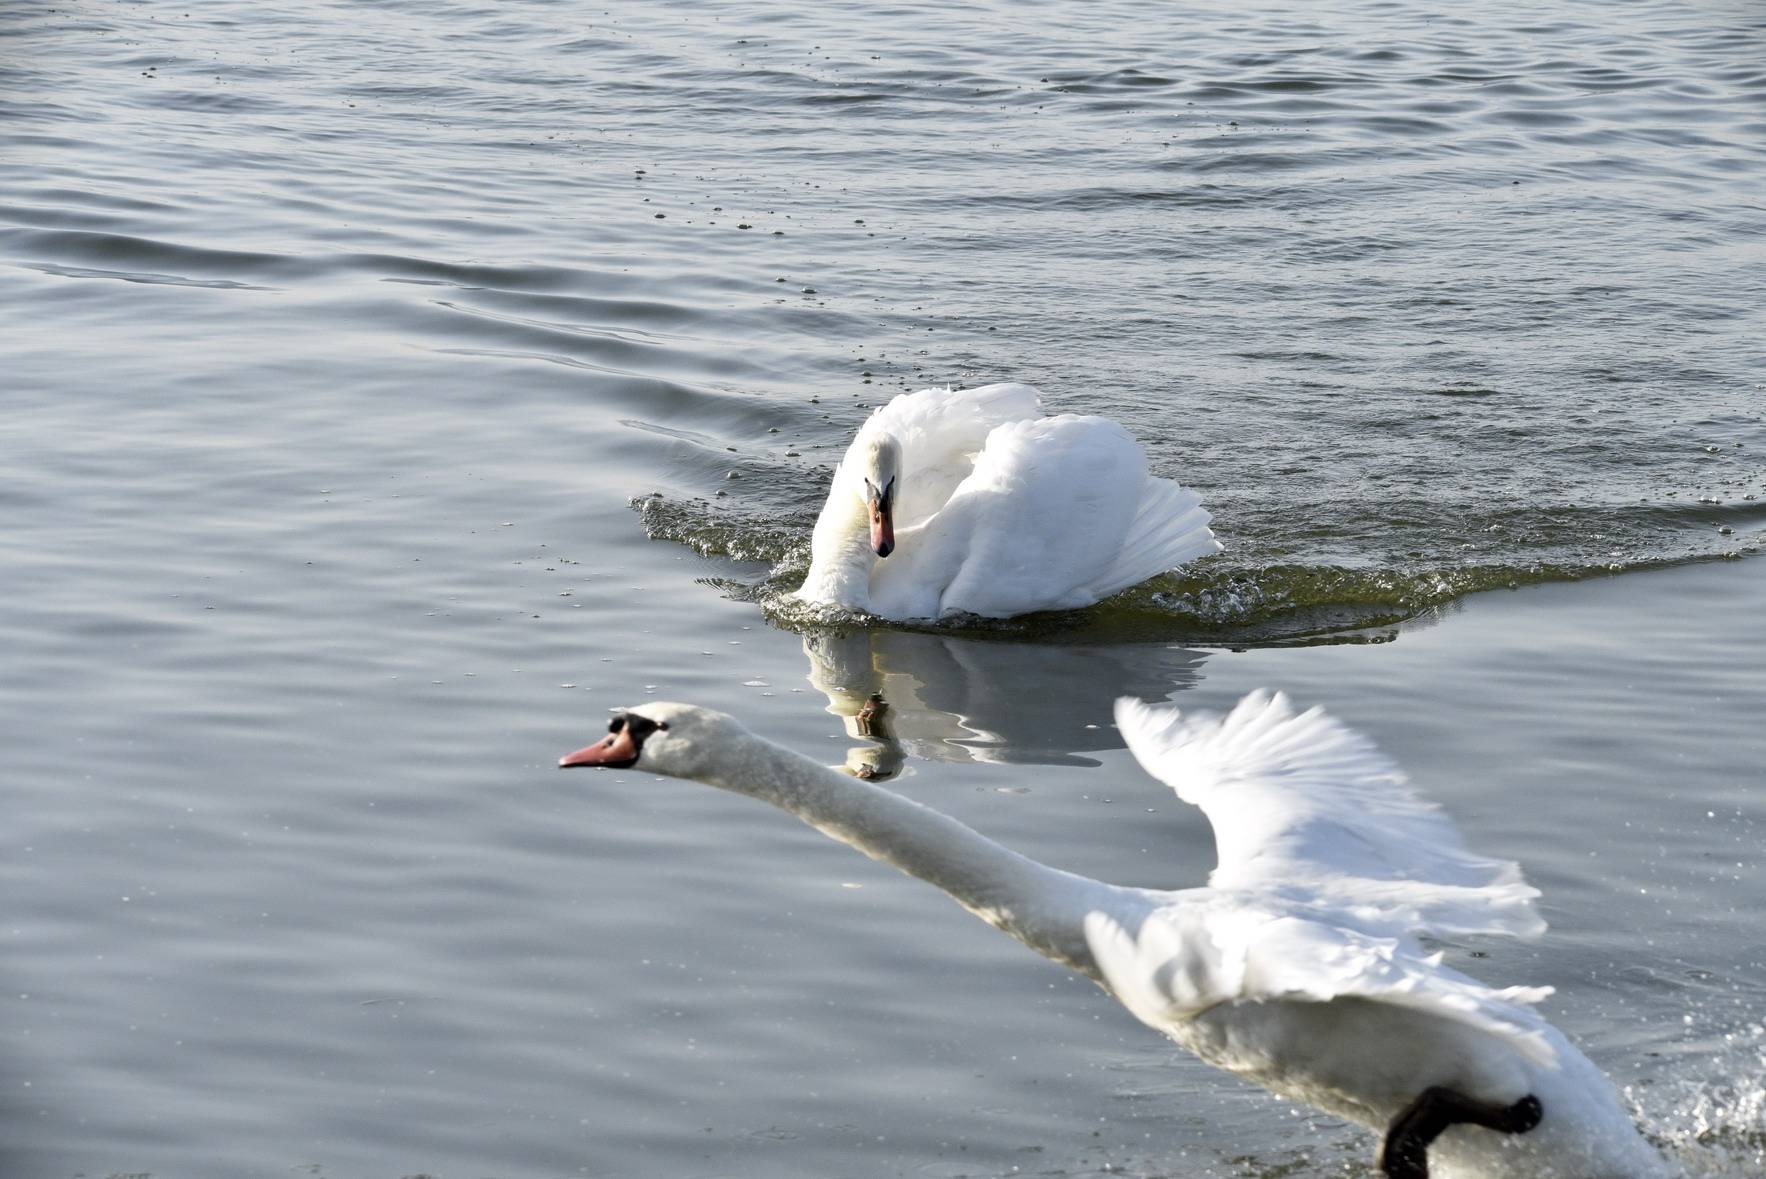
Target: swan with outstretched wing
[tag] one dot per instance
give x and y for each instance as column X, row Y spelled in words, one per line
column 1297, row 966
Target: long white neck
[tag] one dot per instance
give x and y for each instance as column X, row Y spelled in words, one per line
column 1043, row 907
column 841, row 557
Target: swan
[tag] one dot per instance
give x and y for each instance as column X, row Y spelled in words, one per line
column 990, row 509
column 1297, row 967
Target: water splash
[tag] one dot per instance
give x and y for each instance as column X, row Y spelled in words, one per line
column 1224, row 600
column 1708, row 1113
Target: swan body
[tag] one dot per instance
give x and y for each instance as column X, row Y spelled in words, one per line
column 1297, row 967
column 967, row 501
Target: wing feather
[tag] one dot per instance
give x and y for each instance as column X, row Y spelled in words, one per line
column 941, row 431
column 1301, row 802
column 1185, row 959
column 1329, row 863
column 1047, row 505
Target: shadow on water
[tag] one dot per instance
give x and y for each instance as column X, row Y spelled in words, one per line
column 947, row 698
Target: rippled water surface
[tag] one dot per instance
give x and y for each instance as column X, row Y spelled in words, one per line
column 336, row 341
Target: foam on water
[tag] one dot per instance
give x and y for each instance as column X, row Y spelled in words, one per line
column 1707, row 1109
column 1226, row 599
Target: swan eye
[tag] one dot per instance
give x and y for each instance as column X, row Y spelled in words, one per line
column 621, row 747
column 636, row 726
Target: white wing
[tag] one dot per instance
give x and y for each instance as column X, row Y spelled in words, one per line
column 1190, row 956
column 941, row 431
column 1328, row 863
column 1046, row 507
column 1307, row 808
column 1170, row 528
column 1055, row 514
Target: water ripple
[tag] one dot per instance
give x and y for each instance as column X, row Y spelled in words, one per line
column 337, row 337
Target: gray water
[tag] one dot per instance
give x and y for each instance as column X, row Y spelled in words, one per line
column 335, row 341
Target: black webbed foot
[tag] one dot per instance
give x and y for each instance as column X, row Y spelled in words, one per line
column 1518, row 1118
column 1405, row 1153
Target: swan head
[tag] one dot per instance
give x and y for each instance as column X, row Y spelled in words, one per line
column 879, row 465
column 678, row 740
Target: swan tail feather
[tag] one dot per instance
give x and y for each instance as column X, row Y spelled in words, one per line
column 1169, row 529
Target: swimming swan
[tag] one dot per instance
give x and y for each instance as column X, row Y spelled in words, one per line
column 1296, row 967
column 966, row 501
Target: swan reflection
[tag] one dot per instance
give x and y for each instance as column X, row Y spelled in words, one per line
column 942, row 698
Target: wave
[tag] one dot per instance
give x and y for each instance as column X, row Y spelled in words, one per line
column 1218, row 601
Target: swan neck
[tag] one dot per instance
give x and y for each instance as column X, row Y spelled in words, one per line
column 1042, row 907
column 841, row 558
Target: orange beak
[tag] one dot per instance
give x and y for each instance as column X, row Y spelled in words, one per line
column 617, row 749
column 882, row 528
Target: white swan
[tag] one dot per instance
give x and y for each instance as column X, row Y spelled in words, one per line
column 990, row 509
column 1297, row 967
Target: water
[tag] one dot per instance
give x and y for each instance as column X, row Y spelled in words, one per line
column 335, row 339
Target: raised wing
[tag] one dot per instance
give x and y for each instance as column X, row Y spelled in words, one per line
column 1170, row 528
column 1306, row 808
column 941, row 431
column 1045, row 509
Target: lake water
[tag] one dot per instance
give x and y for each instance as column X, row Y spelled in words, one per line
column 338, row 340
